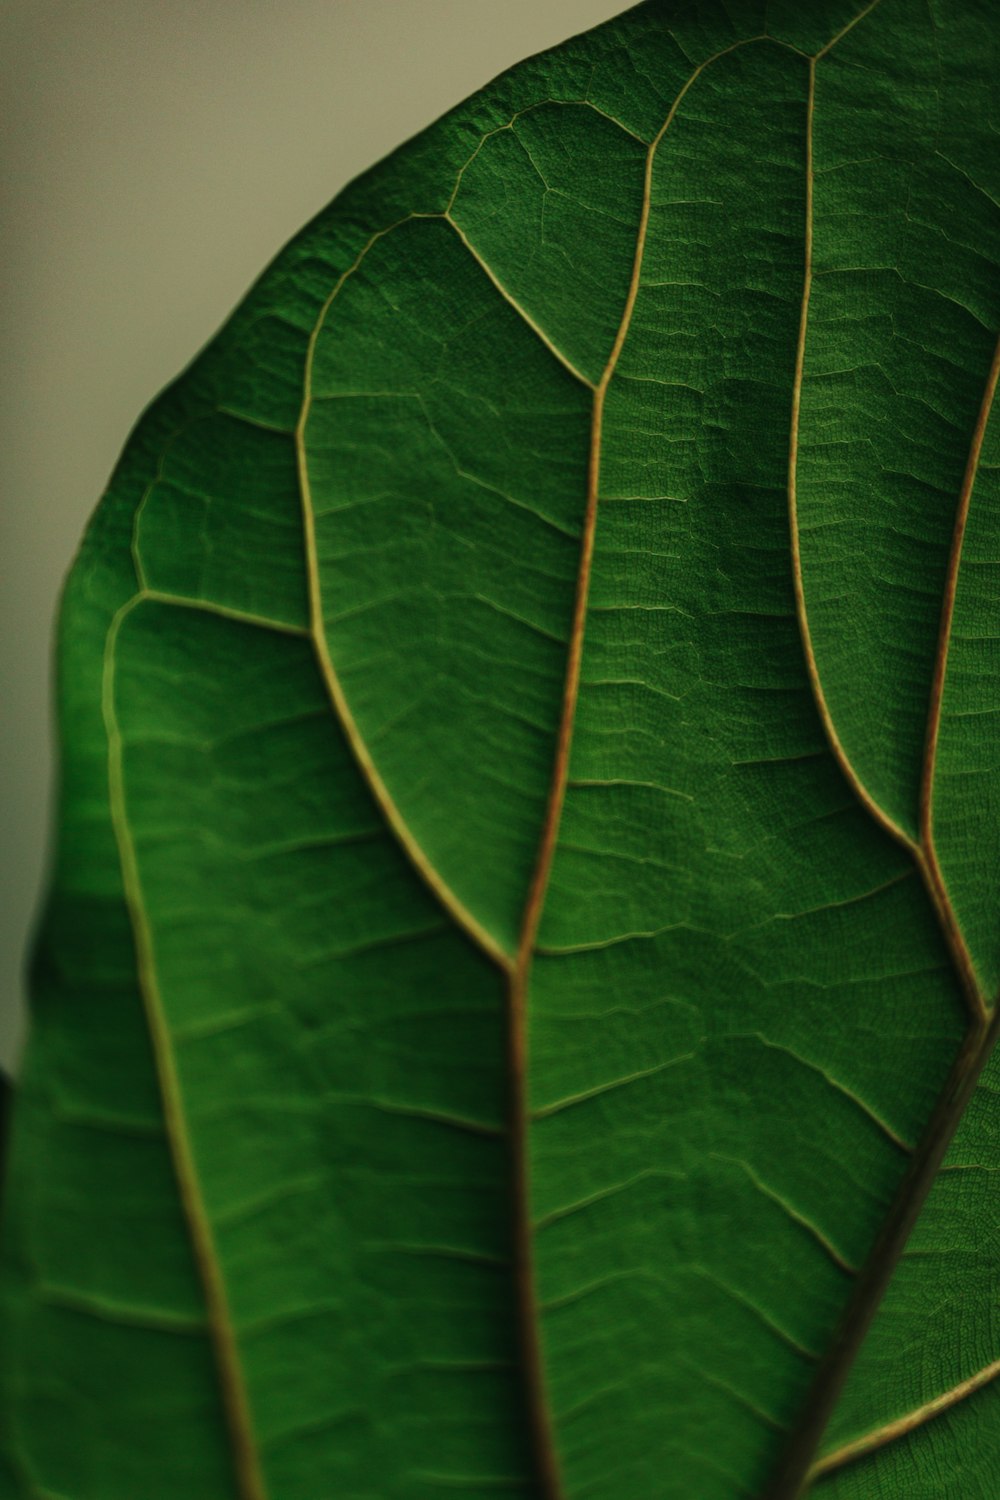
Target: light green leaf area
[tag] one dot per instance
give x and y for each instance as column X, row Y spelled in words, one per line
column 514, row 1008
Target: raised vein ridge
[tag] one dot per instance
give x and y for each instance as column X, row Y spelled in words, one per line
column 539, row 1416
column 246, row 1458
column 890, row 1432
column 384, row 800
column 798, row 1469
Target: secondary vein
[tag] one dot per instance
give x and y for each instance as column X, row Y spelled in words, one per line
column 539, row 1417
column 921, row 849
column 384, row 800
column 246, row 1460
column 902, row 1426
column 941, row 671
column 864, row 796
column 798, row 1468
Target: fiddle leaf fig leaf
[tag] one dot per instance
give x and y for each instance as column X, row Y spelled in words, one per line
column 515, row 1003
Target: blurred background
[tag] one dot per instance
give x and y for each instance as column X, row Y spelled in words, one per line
column 155, row 155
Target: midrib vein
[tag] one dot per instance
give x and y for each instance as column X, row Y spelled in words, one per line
column 548, row 1472
column 798, row 1467
column 424, row 867
column 961, row 1082
column 984, row 1027
column 235, row 1403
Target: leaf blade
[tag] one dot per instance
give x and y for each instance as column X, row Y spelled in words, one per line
column 711, row 870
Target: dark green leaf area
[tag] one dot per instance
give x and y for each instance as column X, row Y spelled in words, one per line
column 952, row 1458
column 967, row 788
column 528, row 817
column 551, row 203
column 808, row 27
column 941, row 1302
column 460, row 537
column 105, row 1328
column 217, row 524
column 296, row 1052
column 724, row 921
column 903, row 318
column 105, row 1321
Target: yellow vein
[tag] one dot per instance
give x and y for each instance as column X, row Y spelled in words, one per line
column 841, row 1088
column 876, row 1273
column 158, row 477
column 520, row 114
column 920, row 851
column 568, row 1101
column 862, row 793
column 944, row 641
column 413, row 850
column 250, row 1480
column 794, row 1214
column 548, row 1472
column 128, row 1315
column 557, row 792
column 221, row 611
column 512, row 301
column 845, row 29
column 903, row 1426
column 797, row 1464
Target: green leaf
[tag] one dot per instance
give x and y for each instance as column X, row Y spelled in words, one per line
column 512, row 1005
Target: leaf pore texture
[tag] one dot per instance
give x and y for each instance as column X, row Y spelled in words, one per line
column 515, row 1007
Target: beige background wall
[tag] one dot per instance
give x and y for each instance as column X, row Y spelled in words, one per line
column 155, row 155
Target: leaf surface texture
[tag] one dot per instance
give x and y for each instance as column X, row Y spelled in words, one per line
column 514, row 1008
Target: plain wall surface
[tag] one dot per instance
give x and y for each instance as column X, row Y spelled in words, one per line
column 155, row 155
